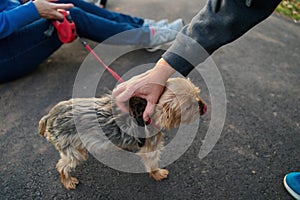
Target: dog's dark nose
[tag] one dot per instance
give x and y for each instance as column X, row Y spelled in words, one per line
column 202, row 107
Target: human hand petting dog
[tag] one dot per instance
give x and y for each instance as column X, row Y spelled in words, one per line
column 49, row 10
column 148, row 85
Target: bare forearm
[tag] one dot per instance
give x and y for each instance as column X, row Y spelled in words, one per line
column 164, row 70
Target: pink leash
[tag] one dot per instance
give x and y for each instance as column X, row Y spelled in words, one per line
column 112, row 72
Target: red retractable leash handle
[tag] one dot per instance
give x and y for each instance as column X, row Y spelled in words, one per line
column 66, row 29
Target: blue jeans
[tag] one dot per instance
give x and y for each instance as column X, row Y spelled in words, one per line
column 24, row 50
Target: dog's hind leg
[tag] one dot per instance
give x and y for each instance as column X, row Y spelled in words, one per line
column 70, row 158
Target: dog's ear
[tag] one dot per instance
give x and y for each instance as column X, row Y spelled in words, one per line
column 168, row 115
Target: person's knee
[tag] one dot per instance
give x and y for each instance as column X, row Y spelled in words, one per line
column 76, row 13
column 81, row 20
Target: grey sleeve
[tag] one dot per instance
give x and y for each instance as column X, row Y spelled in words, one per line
column 218, row 23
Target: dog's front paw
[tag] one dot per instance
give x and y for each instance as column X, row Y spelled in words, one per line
column 159, row 174
column 71, row 183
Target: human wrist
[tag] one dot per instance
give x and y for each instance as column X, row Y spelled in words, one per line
column 163, row 69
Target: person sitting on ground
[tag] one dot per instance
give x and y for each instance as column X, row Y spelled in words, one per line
column 24, row 44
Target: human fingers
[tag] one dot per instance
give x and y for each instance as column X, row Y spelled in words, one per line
column 152, row 96
column 61, row 6
column 122, row 94
column 148, row 111
column 49, row 10
column 126, row 89
column 119, row 89
column 122, row 106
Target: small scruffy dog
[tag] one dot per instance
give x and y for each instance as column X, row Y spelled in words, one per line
column 179, row 103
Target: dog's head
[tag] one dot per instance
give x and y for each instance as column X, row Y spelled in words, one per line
column 179, row 103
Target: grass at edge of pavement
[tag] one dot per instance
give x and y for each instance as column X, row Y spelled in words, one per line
column 290, row 8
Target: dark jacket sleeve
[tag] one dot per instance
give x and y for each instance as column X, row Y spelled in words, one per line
column 218, row 23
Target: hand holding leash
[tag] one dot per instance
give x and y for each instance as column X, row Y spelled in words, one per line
column 49, row 10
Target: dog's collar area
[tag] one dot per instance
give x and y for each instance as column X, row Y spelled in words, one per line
column 142, row 141
column 150, row 122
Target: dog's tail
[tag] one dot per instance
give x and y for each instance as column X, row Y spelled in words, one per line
column 42, row 125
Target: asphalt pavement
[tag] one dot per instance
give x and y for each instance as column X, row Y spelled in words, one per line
column 259, row 142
